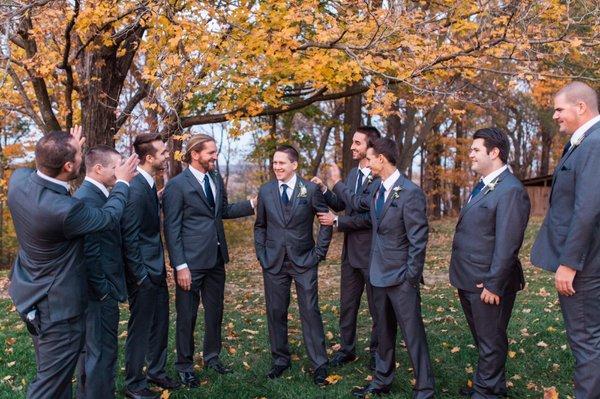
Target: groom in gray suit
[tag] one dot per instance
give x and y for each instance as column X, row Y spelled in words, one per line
column 485, row 266
column 195, row 204
column 568, row 243
column 286, row 250
column 398, row 217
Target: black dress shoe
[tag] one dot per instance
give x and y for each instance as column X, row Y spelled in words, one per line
column 320, row 375
column 165, row 383
column 217, row 366
column 276, row 371
column 464, row 391
column 341, row 358
column 189, row 379
column 141, row 394
column 369, row 390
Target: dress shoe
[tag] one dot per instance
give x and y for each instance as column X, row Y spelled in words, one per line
column 320, row 375
column 276, row 371
column 141, row 394
column 341, row 358
column 189, row 379
column 369, row 390
column 217, row 366
column 465, row 391
column 165, row 382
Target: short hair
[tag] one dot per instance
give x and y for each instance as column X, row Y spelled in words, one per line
column 101, row 154
column 371, row 132
column 196, row 143
column 52, row 152
column 142, row 145
column 291, row 152
column 494, row 137
column 387, row 148
column 579, row 91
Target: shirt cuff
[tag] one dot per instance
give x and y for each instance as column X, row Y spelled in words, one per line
column 181, row 267
column 142, row 280
column 123, row 181
column 252, row 204
column 335, row 221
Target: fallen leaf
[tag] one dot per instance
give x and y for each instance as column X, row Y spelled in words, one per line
column 550, row 393
column 333, row 379
column 455, row 349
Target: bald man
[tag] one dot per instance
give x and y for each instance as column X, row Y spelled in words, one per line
column 568, row 243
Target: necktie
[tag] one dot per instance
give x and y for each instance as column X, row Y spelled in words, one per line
column 380, row 201
column 478, row 187
column 155, row 197
column 285, row 200
column 566, row 149
column 208, row 191
column 359, row 181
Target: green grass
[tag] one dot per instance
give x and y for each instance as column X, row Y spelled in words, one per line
column 536, row 321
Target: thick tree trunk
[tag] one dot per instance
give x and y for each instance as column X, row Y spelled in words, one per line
column 458, row 165
column 352, row 120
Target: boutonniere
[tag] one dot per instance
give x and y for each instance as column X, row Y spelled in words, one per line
column 492, row 185
column 578, row 141
column 302, row 192
column 396, row 192
column 370, row 178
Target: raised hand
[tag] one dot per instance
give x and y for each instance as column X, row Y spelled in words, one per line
column 319, row 183
column 76, row 133
column 128, row 169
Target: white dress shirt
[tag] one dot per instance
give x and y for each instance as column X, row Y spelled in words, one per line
column 147, row 176
column 200, row 177
column 577, row 134
column 290, row 186
column 100, row 186
column 366, row 172
column 53, row 180
column 490, row 178
column 389, row 183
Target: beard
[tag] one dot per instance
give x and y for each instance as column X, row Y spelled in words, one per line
column 207, row 165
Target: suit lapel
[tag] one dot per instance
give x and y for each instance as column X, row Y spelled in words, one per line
column 374, row 219
column 294, row 198
column 274, row 190
column 390, row 199
column 218, row 190
column 95, row 190
column 196, row 185
column 484, row 191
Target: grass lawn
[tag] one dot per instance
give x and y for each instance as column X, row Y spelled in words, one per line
column 539, row 356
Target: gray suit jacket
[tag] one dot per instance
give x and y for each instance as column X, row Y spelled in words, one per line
column 142, row 243
column 399, row 236
column 193, row 230
column 103, row 252
column 357, row 238
column 570, row 234
column 50, row 226
column 489, row 234
column 275, row 236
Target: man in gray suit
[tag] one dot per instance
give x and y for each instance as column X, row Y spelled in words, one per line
column 286, row 250
column 398, row 217
column 148, row 326
column 356, row 250
column 105, row 281
column 568, row 243
column 485, row 266
column 195, row 204
column 48, row 284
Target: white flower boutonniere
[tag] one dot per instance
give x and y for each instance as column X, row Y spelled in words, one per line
column 302, row 192
column 578, row 141
column 370, row 178
column 396, row 192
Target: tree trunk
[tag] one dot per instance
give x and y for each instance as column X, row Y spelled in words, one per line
column 458, row 165
column 352, row 120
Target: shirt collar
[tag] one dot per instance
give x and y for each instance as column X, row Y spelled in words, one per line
column 198, row 175
column 147, row 176
column 578, row 134
column 53, row 180
column 100, row 186
column 366, row 171
column 290, row 183
column 389, row 182
column 490, row 178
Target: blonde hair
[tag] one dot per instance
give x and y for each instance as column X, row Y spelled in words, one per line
column 195, row 143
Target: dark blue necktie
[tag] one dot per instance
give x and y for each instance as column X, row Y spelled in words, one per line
column 285, row 200
column 359, row 181
column 380, row 201
column 478, row 187
column 208, row 191
column 566, row 148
